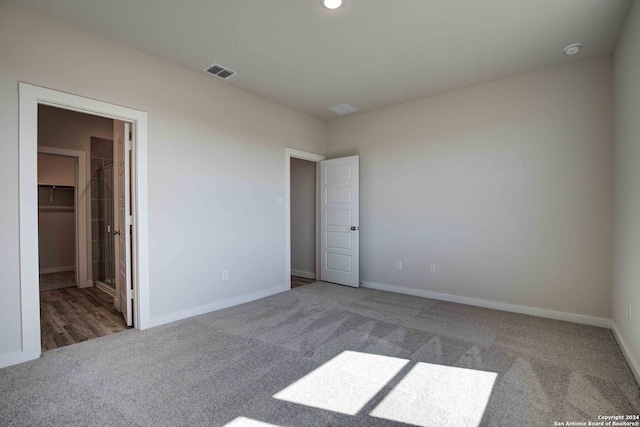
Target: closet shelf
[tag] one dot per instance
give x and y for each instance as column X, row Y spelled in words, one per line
column 61, row 187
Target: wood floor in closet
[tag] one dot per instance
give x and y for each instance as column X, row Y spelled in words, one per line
column 300, row 281
column 72, row 315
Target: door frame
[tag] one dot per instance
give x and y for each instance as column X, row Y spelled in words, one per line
column 83, row 266
column 290, row 153
column 30, row 96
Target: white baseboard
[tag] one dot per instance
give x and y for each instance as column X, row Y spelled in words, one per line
column 208, row 308
column 305, row 274
column 17, row 357
column 532, row 311
column 56, row 269
column 631, row 360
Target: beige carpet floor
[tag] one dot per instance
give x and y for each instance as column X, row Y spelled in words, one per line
column 324, row 354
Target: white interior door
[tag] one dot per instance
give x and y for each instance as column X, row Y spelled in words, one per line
column 124, row 291
column 339, row 221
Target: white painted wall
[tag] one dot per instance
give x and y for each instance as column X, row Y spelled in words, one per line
column 303, row 217
column 215, row 164
column 626, row 287
column 506, row 187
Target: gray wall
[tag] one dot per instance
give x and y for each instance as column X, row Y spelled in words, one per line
column 303, row 216
column 626, row 288
column 215, row 163
column 506, row 187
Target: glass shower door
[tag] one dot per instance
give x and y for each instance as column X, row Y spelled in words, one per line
column 107, row 264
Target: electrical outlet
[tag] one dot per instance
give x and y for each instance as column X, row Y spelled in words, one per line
column 225, row 274
column 398, row 265
column 432, row 269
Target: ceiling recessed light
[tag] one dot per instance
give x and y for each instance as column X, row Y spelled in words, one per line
column 331, row 4
column 572, row 49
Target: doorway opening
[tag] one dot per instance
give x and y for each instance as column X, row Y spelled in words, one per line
column 301, row 217
column 303, row 209
column 133, row 231
column 75, row 306
column 337, row 216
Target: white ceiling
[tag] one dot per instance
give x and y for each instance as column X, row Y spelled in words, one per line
column 370, row 53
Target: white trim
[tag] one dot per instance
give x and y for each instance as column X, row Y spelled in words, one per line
column 57, row 269
column 290, row 153
column 106, row 289
column 305, row 274
column 219, row 305
column 513, row 308
column 17, row 357
column 29, row 98
column 631, row 360
column 82, row 223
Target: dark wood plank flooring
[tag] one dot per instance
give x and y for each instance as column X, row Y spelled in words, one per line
column 72, row 315
column 300, row 281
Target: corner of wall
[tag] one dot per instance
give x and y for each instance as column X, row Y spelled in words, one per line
column 633, row 363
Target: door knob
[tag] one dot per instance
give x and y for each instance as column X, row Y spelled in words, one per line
column 116, row 233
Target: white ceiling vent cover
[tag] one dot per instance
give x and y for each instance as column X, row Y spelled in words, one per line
column 343, row 109
column 220, row 71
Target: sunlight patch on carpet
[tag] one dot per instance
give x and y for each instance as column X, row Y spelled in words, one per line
column 248, row 422
column 345, row 383
column 431, row 395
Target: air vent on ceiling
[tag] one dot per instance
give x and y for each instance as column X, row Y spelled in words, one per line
column 343, row 109
column 219, row 71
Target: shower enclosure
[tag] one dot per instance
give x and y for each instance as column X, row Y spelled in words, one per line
column 105, row 266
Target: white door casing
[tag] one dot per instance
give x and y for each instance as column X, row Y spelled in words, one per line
column 123, row 234
column 292, row 153
column 30, row 97
column 339, row 221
